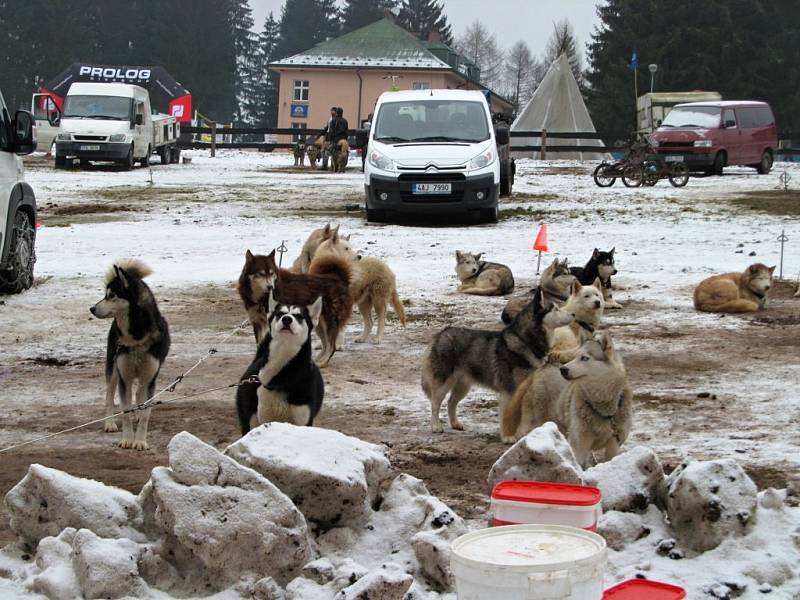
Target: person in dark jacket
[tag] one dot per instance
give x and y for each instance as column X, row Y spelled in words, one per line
column 326, row 135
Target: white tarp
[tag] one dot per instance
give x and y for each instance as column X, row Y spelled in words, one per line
column 557, row 105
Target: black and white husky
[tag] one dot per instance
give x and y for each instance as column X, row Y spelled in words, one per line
column 138, row 344
column 291, row 387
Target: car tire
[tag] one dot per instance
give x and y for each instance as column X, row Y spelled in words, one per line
column 165, row 155
column 60, row 161
column 489, row 215
column 505, row 178
column 765, row 166
column 145, row 162
column 19, row 274
column 175, row 155
column 128, row 163
column 375, row 215
column 719, row 163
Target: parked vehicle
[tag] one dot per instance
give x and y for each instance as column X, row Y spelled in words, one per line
column 114, row 122
column 17, row 202
column 652, row 108
column 434, row 153
column 709, row 136
column 48, row 120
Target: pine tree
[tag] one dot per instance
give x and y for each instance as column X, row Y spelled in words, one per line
column 266, row 114
column 563, row 41
column 421, row 17
column 305, row 23
column 247, row 49
column 358, row 13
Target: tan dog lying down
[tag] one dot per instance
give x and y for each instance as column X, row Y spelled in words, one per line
column 482, row 278
column 735, row 292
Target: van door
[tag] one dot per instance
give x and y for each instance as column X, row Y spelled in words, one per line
column 9, row 175
column 48, row 120
column 731, row 136
column 140, row 140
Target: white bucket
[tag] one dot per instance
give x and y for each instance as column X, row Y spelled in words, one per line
column 529, row 562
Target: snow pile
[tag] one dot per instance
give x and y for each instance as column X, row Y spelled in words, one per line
column 210, row 525
column 705, row 527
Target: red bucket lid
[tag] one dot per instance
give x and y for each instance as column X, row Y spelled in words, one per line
column 639, row 589
column 547, row 493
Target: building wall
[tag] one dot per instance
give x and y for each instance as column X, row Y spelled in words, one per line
column 340, row 87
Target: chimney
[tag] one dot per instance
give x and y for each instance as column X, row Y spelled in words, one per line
column 434, row 36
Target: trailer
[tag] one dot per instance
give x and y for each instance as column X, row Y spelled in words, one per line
column 652, row 108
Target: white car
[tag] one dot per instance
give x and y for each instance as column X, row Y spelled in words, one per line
column 433, row 153
column 17, row 202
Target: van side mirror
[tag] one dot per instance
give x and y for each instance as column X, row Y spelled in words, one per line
column 138, row 119
column 24, row 133
column 501, row 136
column 658, row 123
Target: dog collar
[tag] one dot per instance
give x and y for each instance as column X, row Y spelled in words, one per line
column 586, row 326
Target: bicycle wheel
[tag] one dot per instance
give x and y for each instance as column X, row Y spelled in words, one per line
column 601, row 176
column 679, row 174
column 632, row 176
column 650, row 174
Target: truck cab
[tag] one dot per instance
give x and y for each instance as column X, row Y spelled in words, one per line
column 17, row 202
column 433, row 153
column 105, row 122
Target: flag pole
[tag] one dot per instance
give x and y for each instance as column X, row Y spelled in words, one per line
column 636, row 97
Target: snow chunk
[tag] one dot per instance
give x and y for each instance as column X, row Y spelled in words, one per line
column 107, row 568
column 227, row 517
column 432, row 550
column 57, row 578
column 47, row 501
column 621, row 528
column 268, row 589
column 542, row 455
column 332, row 478
column 629, row 481
column 709, row 500
column 390, row 582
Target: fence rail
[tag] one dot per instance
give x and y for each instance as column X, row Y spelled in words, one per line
column 614, row 140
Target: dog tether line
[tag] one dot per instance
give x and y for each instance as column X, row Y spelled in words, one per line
column 152, row 401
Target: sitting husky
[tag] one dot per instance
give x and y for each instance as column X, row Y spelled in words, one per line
column 601, row 265
column 587, row 304
column 735, row 292
column 373, row 285
column 291, row 387
column 340, row 153
column 302, row 262
column 138, row 344
column 482, row 278
column 588, row 398
column 299, row 152
column 554, row 284
column 459, row 358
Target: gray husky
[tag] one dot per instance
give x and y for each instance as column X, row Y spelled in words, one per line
column 459, row 358
column 554, row 284
column 138, row 344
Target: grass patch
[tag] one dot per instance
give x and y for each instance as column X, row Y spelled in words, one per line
column 520, row 212
column 345, row 210
column 773, row 202
column 520, row 198
column 143, row 193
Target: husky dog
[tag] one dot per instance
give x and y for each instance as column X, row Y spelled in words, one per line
column 589, row 399
column 314, row 151
column 459, row 358
column 138, row 344
column 299, row 152
column 554, row 284
column 735, row 292
column 291, row 387
column 482, row 278
column 373, row 286
column 253, row 287
column 340, row 153
column 302, row 262
column 601, row 265
column 586, row 303
column 329, row 277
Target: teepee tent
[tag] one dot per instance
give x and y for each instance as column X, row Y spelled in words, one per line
column 557, row 105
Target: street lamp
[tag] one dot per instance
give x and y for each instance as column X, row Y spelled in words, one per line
column 653, row 68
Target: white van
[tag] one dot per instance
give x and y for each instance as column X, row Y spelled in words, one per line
column 17, row 202
column 432, row 153
column 113, row 122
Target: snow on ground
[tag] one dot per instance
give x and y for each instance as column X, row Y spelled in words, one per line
column 194, row 223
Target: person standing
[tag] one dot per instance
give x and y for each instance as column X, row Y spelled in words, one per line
column 327, row 137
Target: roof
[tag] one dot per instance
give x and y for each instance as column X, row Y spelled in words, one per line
column 379, row 45
column 124, row 90
column 726, row 103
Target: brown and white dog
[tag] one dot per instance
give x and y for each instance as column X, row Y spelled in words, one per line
column 302, row 262
column 339, row 156
column 328, row 277
column 735, row 292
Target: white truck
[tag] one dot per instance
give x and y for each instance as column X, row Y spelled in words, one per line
column 17, row 202
column 114, row 122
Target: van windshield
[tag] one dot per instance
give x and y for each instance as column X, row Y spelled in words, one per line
column 98, row 107
column 431, row 121
column 699, row 117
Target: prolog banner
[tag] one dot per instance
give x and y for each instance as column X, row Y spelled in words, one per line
column 166, row 94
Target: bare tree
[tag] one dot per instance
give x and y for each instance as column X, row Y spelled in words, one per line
column 563, row 41
column 523, row 72
column 480, row 46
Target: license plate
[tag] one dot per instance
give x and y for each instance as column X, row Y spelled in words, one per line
column 431, row 188
column 89, row 148
column 673, row 158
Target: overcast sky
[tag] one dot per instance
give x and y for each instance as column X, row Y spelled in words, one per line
column 510, row 20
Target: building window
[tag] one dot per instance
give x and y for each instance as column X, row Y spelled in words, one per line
column 295, row 125
column 301, row 90
column 422, row 85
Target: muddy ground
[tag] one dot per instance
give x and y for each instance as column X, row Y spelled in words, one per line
column 702, row 386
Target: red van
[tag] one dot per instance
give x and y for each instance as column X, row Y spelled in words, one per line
column 708, row 136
